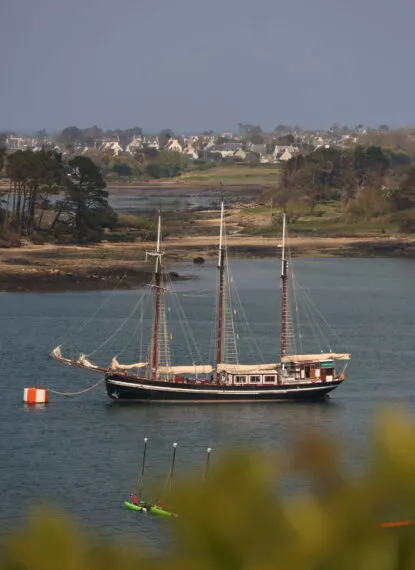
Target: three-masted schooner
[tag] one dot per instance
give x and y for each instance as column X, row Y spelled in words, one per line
column 292, row 377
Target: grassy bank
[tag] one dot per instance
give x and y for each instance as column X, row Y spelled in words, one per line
column 325, row 220
column 232, row 175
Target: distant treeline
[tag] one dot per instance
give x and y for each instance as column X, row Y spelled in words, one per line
column 370, row 182
column 146, row 163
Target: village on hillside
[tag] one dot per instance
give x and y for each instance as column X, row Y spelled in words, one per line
column 250, row 145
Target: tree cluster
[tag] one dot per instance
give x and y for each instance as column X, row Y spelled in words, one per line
column 146, row 163
column 71, row 195
column 73, row 135
column 369, row 181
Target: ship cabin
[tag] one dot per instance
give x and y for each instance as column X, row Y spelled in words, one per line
column 310, row 367
column 290, row 372
column 252, row 378
column 293, row 369
column 312, row 371
column 248, row 374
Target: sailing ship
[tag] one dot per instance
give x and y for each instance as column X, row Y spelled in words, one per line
column 292, row 376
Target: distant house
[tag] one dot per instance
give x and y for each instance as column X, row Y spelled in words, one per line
column 151, row 141
column 191, row 152
column 251, row 157
column 19, row 143
column 240, row 154
column 206, row 142
column 284, row 153
column 225, row 150
column 192, row 140
column 174, row 145
column 114, row 147
column 134, row 145
column 258, row 148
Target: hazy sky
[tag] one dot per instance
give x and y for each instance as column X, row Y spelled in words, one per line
column 192, row 65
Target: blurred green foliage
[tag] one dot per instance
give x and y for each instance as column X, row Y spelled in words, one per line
column 238, row 519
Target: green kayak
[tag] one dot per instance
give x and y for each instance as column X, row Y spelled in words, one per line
column 142, row 508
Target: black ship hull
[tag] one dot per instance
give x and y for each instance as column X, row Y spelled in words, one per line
column 122, row 387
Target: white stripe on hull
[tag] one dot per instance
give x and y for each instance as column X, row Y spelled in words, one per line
column 212, row 401
column 322, row 387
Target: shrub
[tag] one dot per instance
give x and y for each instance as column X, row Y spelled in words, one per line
column 405, row 221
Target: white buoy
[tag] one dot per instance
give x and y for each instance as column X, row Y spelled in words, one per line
column 36, row 395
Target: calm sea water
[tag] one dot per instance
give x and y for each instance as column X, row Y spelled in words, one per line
column 126, row 200
column 82, row 453
column 145, row 200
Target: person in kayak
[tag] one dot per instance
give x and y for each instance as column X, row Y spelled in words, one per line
column 133, row 499
column 145, row 507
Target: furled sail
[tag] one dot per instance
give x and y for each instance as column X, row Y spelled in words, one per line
column 197, row 369
column 57, row 355
column 56, row 352
column 235, row 368
column 315, row 357
column 85, row 362
column 115, row 365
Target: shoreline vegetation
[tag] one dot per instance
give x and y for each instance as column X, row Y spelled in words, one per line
column 62, row 229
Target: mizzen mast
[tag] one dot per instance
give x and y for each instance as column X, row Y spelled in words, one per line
column 284, row 292
column 221, row 296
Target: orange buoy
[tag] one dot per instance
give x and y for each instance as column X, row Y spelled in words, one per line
column 394, row 524
column 36, row 395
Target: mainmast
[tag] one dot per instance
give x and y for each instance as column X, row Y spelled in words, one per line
column 284, row 293
column 157, row 279
column 221, row 267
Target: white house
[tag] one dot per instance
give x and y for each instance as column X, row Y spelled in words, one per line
column 134, row 145
column 19, row 143
column 285, row 152
column 113, row 147
column 190, row 151
column 151, row 141
column 207, row 141
column 240, row 154
column 174, row 145
column 285, row 155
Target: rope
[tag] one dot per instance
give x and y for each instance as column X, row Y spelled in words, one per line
column 189, row 338
column 120, row 327
column 245, row 325
column 297, row 314
column 79, row 391
column 78, row 328
column 139, row 326
column 229, row 312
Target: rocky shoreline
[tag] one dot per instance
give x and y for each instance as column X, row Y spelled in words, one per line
column 51, row 268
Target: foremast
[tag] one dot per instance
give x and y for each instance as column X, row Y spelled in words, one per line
column 221, row 292
column 158, row 286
